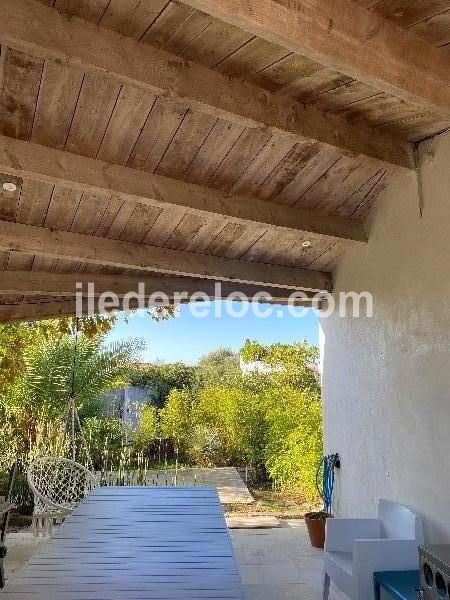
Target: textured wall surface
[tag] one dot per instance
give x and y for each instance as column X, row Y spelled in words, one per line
column 387, row 379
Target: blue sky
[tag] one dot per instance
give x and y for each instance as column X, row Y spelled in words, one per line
column 186, row 338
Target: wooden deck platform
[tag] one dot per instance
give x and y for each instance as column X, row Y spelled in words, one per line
column 136, row 543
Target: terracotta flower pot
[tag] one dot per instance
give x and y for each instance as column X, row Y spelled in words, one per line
column 315, row 523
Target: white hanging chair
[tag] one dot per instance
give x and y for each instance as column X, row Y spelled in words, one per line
column 58, row 485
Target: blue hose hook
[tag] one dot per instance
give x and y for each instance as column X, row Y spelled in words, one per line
column 325, row 479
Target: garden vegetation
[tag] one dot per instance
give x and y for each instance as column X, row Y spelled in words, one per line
column 265, row 418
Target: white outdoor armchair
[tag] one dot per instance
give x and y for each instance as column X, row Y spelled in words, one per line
column 58, row 486
column 356, row 548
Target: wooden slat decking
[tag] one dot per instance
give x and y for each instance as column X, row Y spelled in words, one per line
column 136, row 543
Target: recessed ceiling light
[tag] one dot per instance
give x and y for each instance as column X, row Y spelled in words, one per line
column 9, row 186
column 306, row 244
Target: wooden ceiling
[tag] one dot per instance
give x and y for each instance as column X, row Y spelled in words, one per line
column 150, row 136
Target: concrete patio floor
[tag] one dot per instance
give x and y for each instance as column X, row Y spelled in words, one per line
column 280, row 564
column 275, row 564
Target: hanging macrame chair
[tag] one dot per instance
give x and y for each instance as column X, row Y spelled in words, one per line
column 59, row 484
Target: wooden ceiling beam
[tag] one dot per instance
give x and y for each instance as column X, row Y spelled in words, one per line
column 74, row 246
column 36, row 311
column 31, row 27
column 68, row 285
column 346, row 37
column 40, row 163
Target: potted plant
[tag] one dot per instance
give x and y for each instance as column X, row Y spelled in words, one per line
column 315, row 523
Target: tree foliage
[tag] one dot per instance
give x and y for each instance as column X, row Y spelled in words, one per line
column 220, row 367
column 292, row 365
column 16, row 338
column 32, row 405
column 159, row 379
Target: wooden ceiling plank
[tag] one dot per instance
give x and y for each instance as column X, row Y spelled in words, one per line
column 193, row 26
column 266, row 246
column 359, row 194
column 167, row 22
column 19, row 261
column 60, row 88
column 238, row 159
column 140, row 223
column 225, row 238
column 43, row 31
column 162, row 124
column 125, row 125
column 284, row 72
column 202, row 239
column 90, row 212
column 62, row 208
column 9, row 203
column 186, row 230
column 436, row 29
column 217, row 41
column 329, row 182
column 42, row 263
column 20, row 83
column 250, row 58
column 108, row 217
column 313, row 86
column 36, row 162
column 262, row 166
column 121, row 219
column 300, row 156
column 345, row 94
column 89, row 10
column 213, row 151
column 94, row 108
column 185, row 144
column 34, row 202
column 313, row 170
column 167, row 221
column 304, row 257
column 364, row 208
column 131, row 17
column 408, row 12
column 242, row 244
column 348, row 38
column 79, row 247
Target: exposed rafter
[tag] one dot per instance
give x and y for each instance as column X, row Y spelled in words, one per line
column 67, row 285
column 73, row 246
column 35, row 311
column 31, row 27
column 24, row 159
column 347, row 37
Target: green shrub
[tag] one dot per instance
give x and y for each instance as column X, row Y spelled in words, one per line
column 236, row 417
column 148, row 430
column 294, row 439
column 176, row 419
column 205, row 446
column 105, row 437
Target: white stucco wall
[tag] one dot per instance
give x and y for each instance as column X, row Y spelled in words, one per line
column 386, row 380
